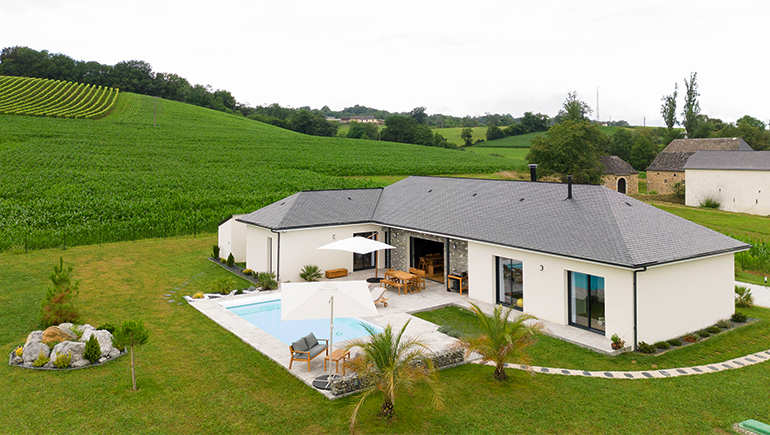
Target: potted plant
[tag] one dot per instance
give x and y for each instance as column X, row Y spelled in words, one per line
column 617, row 342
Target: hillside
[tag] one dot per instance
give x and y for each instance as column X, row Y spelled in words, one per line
column 79, row 181
column 60, row 99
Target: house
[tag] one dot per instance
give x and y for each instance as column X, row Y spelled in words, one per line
column 668, row 167
column 739, row 181
column 582, row 255
column 619, row 175
column 364, row 118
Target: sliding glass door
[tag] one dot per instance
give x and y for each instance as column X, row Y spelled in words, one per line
column 586, row 296
column 510, row 283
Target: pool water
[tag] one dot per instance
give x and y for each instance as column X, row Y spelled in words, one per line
column 267, row 317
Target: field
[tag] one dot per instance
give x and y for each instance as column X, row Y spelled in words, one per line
column 195, row 377
column 43, row 97
column 68, row 182
column 452, row 135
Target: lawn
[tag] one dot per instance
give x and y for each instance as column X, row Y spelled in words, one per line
column 195, row 377
column 452, row 134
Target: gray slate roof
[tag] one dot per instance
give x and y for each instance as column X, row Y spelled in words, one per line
column 616, row 166
column 669, row 162
column 730, row 160
column 597, row 224
column 707, row 144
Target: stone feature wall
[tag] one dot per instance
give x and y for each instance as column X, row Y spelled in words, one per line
column 661, row 181
column 399, row 257
column 632, row 182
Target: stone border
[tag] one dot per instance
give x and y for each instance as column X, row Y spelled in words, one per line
column 10, row 363
column 235, row 270
column 734, row 363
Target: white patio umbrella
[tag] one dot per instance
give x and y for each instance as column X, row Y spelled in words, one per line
column 359, row 245
column 320, row 300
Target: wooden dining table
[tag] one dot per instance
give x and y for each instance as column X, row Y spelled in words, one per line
column 408, row 279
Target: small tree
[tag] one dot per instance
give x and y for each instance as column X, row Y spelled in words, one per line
column 215, row 252
column 230, row 260
column 668, row 109
column 467, row 136
column 691, row 110
column 92, row 351
column 502, row 340
column 58, row 306
column 131, row 333
column 494, row 132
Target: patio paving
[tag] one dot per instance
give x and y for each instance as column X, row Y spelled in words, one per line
column 397, row 313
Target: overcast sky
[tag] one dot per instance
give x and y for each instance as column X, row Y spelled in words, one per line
column 457, row 58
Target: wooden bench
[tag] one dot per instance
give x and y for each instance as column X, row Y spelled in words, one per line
column 336, row 273
column 387, row 282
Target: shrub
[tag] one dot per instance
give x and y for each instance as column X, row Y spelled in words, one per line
column 267, row 280
column 739, row 318
column 222, row 286
column 691, row 338
column 679, row 190
column 675, row 342
column 617, row 342
column 93, row 351
column 704, row 333
column 230, row 260
column 222, row 260
column 450, row 331
column 247, row 272
column 107, row 327
column 645, row 347
column 714, row 329
column 725, row 324
column 710, row 203
column 19, row 351
column 215, row 251
column 41, row 360
column 310, row 273
column 63, row 361
column 662, row 345
column 743, row 297
column 198, row 295
column 58, row 306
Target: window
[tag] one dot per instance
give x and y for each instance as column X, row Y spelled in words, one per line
column 510, row 282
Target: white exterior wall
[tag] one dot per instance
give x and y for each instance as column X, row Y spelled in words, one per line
column 299, row 248
column 738, row 191
column 684, row 297
column 232, row 239
column 546, row 291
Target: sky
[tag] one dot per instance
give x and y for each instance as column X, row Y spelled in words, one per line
column 455, row 58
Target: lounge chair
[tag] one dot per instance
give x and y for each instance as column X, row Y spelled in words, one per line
column 307, row 348
column 378, row 295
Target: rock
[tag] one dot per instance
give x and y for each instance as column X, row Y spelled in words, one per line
column 69, row 326
column 54, row 334
column 85, row 327
column 102, row 336
column 32, row 350
column 74, row 348
column 102, row 359
column 114, row 353
column 34, row 337
column 18, row 360
column 80, row 363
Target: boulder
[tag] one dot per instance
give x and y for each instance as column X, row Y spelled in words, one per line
column 32, row 350
column 34, row 337
column 102, row 336
column 80, row 363
column 69, row 326
column 84, row 328
column 54, row 334
column 114, row 353
column 74, row 348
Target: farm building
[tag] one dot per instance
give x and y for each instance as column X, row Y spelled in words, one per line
column 582, row 255
column 739, row 181
column 668, row 167
column 619, row 175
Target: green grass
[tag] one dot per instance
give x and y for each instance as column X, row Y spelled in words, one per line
column 452, row 135
column 519, row 141
column 60, row 99
column 195, row 377
column 519, row 154
column 72, row 182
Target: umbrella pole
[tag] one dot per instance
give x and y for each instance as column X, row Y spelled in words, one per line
column 331, row 342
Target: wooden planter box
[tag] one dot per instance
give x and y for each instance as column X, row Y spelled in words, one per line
column 336, row 273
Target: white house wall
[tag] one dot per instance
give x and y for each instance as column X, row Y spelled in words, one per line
column 738, row 191
column 545, row 291
column 684, row 297
column 259, row 257
column 232, row 239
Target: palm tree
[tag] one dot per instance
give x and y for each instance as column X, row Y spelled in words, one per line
column 502, row 340
column 392, row 362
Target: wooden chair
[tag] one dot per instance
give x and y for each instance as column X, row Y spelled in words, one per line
column 421, row 277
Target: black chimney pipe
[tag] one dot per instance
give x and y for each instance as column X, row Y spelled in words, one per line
column 533, row 172
column 569, row 186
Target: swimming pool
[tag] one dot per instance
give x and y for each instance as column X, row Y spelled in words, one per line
column 266, row 315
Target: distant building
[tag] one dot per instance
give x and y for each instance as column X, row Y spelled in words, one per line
column 365, row 118
column 619, row 175
column 739, row 181
column 668, row 167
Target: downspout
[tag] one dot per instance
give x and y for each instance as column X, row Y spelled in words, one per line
column 636, row 334
column 278, row 260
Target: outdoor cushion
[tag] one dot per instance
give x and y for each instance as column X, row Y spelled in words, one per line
column 300, row 345
column 310, row 340
column 315, row 350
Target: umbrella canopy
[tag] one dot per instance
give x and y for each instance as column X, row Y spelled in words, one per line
column 359, row 245
column 310, row 300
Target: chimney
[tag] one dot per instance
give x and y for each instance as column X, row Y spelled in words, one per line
column 569, row 186
column 533, row 172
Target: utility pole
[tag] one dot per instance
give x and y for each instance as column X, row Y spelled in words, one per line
column 597, row 104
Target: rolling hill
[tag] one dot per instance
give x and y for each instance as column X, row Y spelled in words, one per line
column 59, row 99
